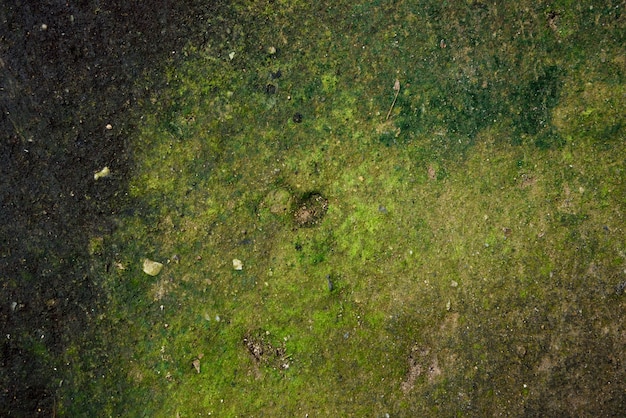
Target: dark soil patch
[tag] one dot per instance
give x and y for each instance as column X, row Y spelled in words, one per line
column 310, row 210
column 263, row 351
column 67, row 70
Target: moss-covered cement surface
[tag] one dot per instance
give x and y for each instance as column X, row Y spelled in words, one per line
column 471, row 257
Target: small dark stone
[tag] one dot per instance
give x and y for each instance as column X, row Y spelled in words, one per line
column 276, row 74
column 270, row 89
column 297, row 117
column 331, row 285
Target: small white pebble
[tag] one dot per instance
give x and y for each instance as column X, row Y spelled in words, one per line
column 105, row 172
column 237, row 264
column 152, row 268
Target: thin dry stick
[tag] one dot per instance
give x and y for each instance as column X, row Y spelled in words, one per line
column 396, row 88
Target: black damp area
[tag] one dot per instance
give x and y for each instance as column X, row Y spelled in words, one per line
column 58, row 61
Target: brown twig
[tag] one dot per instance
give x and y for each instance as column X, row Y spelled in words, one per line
column 396, row 87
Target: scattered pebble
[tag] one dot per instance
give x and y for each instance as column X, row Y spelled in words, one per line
column 105, row 172
column 152, row 268
column 237, row 264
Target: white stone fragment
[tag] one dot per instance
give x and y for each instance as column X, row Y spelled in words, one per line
column 105, row 172
column 152, row 268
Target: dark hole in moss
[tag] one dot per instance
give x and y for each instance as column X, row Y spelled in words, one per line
column 310, row 210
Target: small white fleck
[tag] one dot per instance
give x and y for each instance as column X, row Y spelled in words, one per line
column 237, row 264
column 105, row 172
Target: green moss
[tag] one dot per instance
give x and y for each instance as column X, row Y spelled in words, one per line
column 458, row 233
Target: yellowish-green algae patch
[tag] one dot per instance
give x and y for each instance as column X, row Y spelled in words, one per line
column 464, row 256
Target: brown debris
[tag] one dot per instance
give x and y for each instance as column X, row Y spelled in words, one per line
column 196, row 365
column 311, row 210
